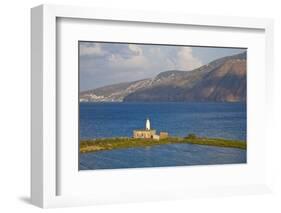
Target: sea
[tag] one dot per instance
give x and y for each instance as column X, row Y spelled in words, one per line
column 205, row 119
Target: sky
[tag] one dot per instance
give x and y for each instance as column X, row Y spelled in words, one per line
column 103, row 63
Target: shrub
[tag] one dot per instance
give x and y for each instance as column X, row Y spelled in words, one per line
column 191, row 136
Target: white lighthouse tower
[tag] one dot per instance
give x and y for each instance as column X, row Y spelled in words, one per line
column 147, row 125
column 149, row 133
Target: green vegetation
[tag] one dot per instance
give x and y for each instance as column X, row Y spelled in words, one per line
column 122, row 143
column 191, row 136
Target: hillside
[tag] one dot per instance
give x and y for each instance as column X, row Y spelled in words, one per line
column 221, row 80
column 113, row 93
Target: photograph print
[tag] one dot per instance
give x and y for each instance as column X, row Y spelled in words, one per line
column 159, row 105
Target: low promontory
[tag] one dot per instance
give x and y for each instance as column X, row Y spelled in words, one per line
column 96, row 145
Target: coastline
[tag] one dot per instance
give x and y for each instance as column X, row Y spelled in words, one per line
column 95, row 145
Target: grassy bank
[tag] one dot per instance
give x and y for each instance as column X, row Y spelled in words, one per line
column 122, row 143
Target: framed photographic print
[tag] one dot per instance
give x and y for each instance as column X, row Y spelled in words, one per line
column 130, row 106
column 151, row 105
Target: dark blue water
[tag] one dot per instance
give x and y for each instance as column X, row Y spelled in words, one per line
column 223, row 120
column 160, row 156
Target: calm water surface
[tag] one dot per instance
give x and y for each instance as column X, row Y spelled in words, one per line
column 224, row 120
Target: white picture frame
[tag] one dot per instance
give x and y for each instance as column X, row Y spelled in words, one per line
column 44, row 149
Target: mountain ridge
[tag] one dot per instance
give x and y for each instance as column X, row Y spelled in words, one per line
column 222, row 80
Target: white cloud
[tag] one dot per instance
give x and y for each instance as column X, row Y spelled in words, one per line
column 162, row 59
column 137, row 59
column 94, row 50
column 133, row 62
column 153, row 58
column 186, row 60
column 135, row 49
